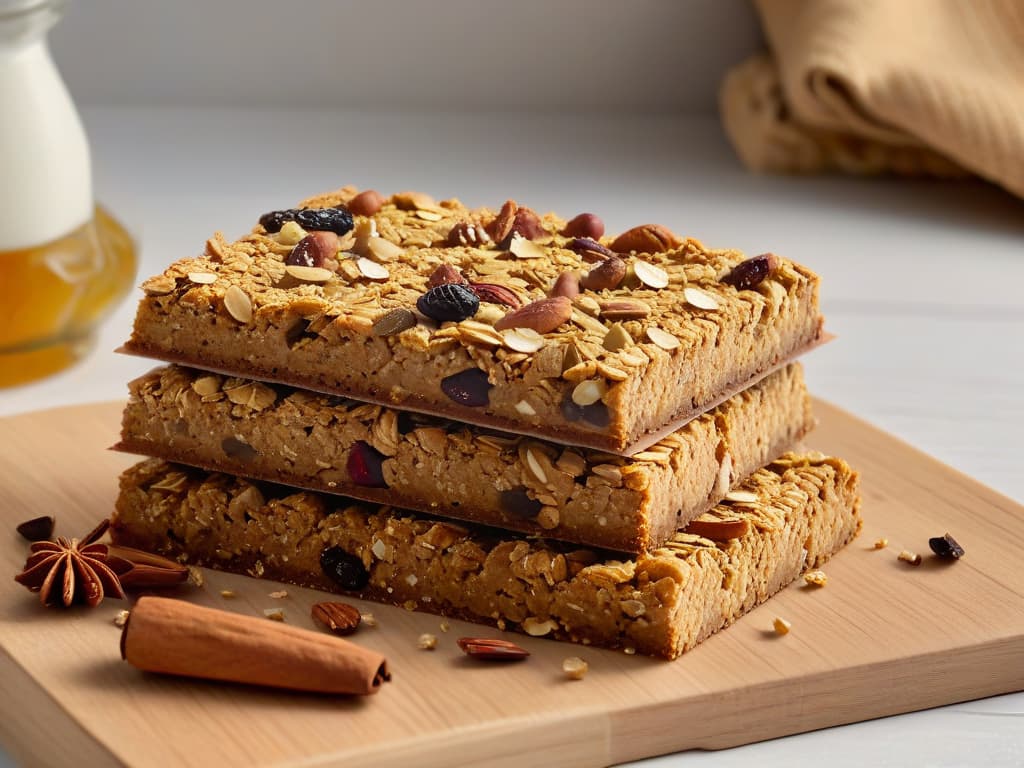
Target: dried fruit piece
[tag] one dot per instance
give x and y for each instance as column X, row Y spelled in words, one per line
column 313, row 250
column 605, row 276
column 467, row 233
column 496, row 294
column 344, row 569
column 450, row 301
column 575, row 668
column 394, row 321
column 911, row 558
column 340, row 618
column 542, row 316
column 238, row 304
column 336, row 220
column 589, row 249
column 469, row 387
column 365, row 465
column 782, row 626
column 490, row 649
column 646, row 238
column 750, row 273
column 517, row 502
column 38, row 528
column 650, row 275
column 699, row 299
column 946, row 546
column 366, row 203
column 426, row 642
column 500, row 226
column 584, row 225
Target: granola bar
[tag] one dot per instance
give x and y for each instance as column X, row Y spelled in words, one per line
column 790, row 516
column 418, row 462
column 502, row 319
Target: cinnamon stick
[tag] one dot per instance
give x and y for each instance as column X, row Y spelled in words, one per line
column 178, row 638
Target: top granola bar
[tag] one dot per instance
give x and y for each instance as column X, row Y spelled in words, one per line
column 501, row 318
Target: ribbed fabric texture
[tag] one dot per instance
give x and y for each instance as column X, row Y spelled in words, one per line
column 910, row 86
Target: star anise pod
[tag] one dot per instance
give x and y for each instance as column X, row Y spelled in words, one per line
column 82, row 570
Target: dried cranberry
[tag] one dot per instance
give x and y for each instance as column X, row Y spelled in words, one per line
column 366, row 465
column 344, row 569
column 749, row 274
column 449, row 301
column 469, row 387
column 336, row 220
column 517, row 503
column 946, row 547
column 596, row 414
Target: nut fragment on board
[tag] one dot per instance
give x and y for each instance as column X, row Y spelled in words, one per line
column 911, row 558
column 426, row 642
column 490, row 649
column 121, row 618
column 274, row 614
column 781, row 626
column 881, row 543
column 575, row 668
column 816, row 578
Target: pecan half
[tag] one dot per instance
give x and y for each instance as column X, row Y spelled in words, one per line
column 647, row 238
column 340, row 618
column 490, row 649
column 467, row 233
column 496, row 294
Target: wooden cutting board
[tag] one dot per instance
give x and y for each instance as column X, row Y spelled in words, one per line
column 882, row 638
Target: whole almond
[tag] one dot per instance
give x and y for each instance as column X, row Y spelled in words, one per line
column 606, row 275
column 496, row 294
column 624, row 309
column 542, row 316
column 445, row 274
column 366, row 203
column 501, row 226
column 647, row 238
column 585, row 225
column 527, row 224
column 568, row 285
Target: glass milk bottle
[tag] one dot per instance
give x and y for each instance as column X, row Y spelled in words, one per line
column 64, row 262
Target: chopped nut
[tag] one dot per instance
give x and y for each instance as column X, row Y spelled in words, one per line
column 629, row 650
column 575, row 668
column 159, row 285
column 205, row 386
column 624, row 309
column 911, row 558
column 816, row 578
column 488, row 649
column 274, row 614
column 238, row 304
column 542, row 316
column 646, row 238
column 427, row 642
column 279, row 594
column 607, row 275
column 366, row 203
column 522, row 248
column 121, row 618
column 290, row 234
column 782, row 626
column 617, row 338
column 524, row 408
column 881, row 543
column 698, row 298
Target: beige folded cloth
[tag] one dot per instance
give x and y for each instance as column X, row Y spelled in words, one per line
column 908, row 86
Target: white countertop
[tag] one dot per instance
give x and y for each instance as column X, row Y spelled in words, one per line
column 923, row 285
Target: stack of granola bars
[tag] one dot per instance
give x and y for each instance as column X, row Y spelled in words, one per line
column 547, row 429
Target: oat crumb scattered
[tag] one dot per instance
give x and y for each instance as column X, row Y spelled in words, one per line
column 816, row 578
column 274, row 614
column 228, row 594
column 575, row 668
column 909, row 557
column 781, row 626
column 368, row 619
column 445, row 626
column 881, row 543
column 121, row 618
column 195, row 576
column 629, row 650
column 427, row 642
column 279, row 594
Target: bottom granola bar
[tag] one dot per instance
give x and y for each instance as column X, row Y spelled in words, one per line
column 789, row 516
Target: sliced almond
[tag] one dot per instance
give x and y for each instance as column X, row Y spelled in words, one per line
column 523, row 340
column 309, row 274
column 202, row 278
column 617, row 338
column 698, row 298
column 661, row 338
column 522, row 248
column 742, row 497
column 428, row 215
column 238, row 304
column 589, row 391
column 371, row 269
column 383, row 250
column 650, row 275
column 534, row 466
column 718, row 530
column 473, row 332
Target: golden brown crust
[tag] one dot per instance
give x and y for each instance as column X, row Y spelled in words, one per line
column 661, row 603
column 256, row 319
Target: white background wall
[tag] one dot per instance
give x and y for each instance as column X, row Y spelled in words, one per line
column 652, row 56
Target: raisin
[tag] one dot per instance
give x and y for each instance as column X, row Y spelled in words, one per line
column 366, row 465
column 596, row 414
column 946, row 547
column 37, row 529
column 469, row 387
column 517, row 503
column 344, row 569
column 750, row 273
column 236, row 449
column 449, row 301
column 336, row 220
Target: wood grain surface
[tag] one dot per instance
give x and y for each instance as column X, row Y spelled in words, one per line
column 881, row 638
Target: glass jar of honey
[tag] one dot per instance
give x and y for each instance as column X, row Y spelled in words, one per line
column 64, row 261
